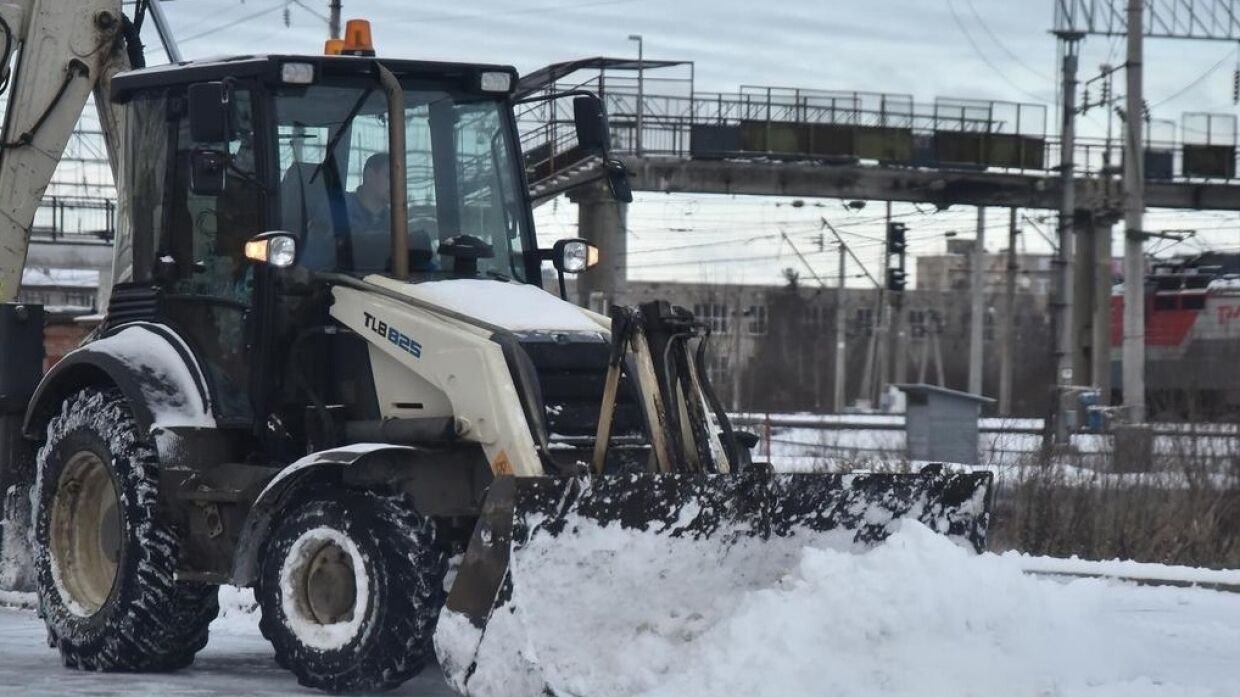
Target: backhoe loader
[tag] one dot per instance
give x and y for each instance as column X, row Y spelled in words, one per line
column 328, row 371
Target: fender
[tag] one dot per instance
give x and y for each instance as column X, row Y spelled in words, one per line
column 440, row 482
column 151, row 366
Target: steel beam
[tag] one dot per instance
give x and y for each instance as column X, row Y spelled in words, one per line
column 878, row 183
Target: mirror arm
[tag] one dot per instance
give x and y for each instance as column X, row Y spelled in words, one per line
column 556, row 95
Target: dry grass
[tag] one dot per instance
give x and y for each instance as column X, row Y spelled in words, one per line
column 1187, row 511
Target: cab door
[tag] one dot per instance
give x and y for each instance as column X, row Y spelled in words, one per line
column 214, row 205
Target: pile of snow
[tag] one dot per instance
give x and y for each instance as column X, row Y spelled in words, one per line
column 18, row 599
column 917, row 616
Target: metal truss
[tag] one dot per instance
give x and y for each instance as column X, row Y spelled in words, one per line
column 1217, row 20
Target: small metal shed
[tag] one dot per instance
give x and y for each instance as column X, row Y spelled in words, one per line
column 941, row 424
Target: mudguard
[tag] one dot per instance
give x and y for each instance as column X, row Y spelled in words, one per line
column 267, row 505
column 147, row 362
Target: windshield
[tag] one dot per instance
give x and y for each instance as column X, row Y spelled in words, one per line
column 462, row 178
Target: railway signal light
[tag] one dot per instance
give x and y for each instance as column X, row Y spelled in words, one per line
column 896, row 238
column 896, row 280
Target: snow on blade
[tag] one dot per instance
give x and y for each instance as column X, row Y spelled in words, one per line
column 607, row 580
column 916, row 616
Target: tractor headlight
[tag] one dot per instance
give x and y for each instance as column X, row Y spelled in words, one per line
column 277, row 249
column 297, row 73
column 496, row 82
column 574, row 256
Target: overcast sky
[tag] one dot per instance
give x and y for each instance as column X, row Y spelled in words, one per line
column 983, row 49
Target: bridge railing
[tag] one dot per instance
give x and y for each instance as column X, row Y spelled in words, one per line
column 791, row 124
column 76, row 218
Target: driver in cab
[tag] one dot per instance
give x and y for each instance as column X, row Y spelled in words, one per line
column 366, row 245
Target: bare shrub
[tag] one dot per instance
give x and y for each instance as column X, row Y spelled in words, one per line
column 1187, row 512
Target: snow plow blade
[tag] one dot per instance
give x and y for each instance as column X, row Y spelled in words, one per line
column 563, row 574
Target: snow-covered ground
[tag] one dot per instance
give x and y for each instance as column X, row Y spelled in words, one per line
column 237, row 661
column 916, row 617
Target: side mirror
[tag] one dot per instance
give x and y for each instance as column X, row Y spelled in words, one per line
column 277, row 249
column 593, row 133
column 208, row 172
column 208, row 112
column 618, row 181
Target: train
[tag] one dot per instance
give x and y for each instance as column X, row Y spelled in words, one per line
column 1192, row 338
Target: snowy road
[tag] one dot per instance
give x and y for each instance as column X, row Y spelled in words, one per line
column 238, row 661
column 915, row 617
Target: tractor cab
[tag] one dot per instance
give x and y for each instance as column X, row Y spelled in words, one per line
column 246, row 172
column 304, row 145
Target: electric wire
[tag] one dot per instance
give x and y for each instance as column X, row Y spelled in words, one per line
column 982, row 55
column 1200, row 78
column 1002, row 46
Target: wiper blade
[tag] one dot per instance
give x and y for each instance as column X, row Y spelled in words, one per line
column 329, row 154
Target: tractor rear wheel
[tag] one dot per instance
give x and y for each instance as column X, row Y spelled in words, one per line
column 351, row 587
column 105, row 562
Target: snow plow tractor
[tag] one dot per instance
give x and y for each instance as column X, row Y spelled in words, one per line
column 328, row 371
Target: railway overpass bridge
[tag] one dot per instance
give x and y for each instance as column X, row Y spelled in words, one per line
column 770, row 141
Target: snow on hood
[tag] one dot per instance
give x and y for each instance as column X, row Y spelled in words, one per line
column 513, row 306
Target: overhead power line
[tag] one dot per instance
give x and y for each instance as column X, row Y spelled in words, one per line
column 540, row 9
column 229, row 25
column 1200, row 78
column 1003, row 46
column 985, row 59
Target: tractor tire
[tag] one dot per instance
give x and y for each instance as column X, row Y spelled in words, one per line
column 351, row 584
column 105, row 561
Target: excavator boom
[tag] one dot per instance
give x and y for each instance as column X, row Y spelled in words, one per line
column 65, row 51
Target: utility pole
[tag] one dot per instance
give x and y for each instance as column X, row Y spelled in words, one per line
column 977, row 288
column 882, row 337
column 334, row 23
column 1134, row 209
column 896, row 279
column 841, row 328
column 1100, row 345
column 1065, row 329
column 1007, row 332
column 641, row 89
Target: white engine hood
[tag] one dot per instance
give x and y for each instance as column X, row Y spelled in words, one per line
column 514, row 306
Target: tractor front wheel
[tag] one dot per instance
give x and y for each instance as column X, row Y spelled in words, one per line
column 351, row 586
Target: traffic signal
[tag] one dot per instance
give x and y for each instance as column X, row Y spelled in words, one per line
column 896, row 242
column 896, row 280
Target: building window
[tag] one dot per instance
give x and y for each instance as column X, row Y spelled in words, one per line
column 717, row 364
column 863, row 322
column 813, row 317
column 715, row 314
column 757, row 319
column 917, row 324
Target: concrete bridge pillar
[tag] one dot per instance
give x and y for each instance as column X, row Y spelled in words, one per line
column 603, row 222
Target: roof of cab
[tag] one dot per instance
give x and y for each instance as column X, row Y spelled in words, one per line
column 268, row 67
